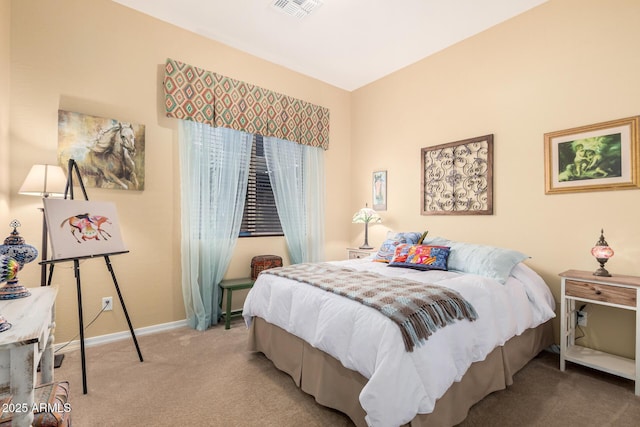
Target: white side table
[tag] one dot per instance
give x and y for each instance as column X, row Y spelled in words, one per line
column 29, row 340
column 617, row 291
column 354, row 253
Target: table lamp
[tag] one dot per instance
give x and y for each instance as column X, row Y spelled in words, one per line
column 15, row 248
column 602, row 252
column 365, row 216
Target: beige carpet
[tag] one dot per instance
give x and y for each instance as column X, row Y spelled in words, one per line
column 191, row 378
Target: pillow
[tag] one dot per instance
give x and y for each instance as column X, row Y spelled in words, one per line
column 435, row 241
column 420, row 257
column 411, row 237
column 482, row 260
column 388, row 247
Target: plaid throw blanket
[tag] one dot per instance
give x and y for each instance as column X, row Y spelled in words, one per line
column 419, row 309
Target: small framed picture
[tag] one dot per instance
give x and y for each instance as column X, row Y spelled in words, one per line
column 598, row 157
column 379, row 191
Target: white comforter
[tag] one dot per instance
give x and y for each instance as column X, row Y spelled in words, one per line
column 402, row 384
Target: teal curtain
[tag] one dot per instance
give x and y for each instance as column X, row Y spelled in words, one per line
column 214, row 169
column 296, row 173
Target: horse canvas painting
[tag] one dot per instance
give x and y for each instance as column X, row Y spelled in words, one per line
column 109, row 153
column 82, row 228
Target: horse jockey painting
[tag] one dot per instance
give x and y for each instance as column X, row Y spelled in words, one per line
column 109, row 153
column 82, row 228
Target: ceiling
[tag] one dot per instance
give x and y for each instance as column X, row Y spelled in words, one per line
column 346, row 43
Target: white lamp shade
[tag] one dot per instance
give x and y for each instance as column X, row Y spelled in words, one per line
column 366, row 215
column 44, row 181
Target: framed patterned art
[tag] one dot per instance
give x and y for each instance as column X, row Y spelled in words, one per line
column 457, row 178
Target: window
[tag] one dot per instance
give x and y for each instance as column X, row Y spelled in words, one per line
column 260, row 216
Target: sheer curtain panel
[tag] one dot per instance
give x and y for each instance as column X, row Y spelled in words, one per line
column 214, row 168
column 296, row 172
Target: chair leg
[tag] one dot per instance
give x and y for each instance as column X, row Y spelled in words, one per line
column 227, row 316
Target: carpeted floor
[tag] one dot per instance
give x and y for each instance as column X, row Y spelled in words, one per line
column 191, row 378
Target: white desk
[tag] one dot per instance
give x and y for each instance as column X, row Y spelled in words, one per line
column 29, row 340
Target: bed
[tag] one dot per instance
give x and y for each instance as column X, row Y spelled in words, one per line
column 353, row 358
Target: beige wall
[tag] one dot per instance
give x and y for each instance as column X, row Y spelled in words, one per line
column 5, row 55
column 103, row 59
column 564, row 64
column 561, row 65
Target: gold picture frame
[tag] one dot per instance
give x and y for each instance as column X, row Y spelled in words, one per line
column 457, row 178
column 109, row 153
column 598, row 157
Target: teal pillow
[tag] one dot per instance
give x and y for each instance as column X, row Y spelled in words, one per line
column 488, row 261
column 410, row 237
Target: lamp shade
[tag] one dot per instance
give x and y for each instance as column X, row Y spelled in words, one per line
column 365, row 216
column 44, row 181
column 604, row 252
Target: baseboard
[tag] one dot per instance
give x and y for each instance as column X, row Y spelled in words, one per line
column 118, row 336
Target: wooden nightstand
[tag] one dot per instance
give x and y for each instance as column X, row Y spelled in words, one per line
column 355, row 253
column 617, row 291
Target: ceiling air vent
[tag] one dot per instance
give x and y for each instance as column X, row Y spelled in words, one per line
column 297, row 8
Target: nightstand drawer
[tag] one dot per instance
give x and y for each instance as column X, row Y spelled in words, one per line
column 359, row 253
column 599, row 292
column 356, row 255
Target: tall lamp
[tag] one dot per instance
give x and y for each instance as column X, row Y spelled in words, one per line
column 44, row 181
column 365, row 216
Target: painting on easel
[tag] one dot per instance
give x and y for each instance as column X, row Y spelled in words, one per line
column 82, row 228
column 109, row 152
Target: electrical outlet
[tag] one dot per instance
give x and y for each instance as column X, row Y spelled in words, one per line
column 107, row 303
column 582, row 318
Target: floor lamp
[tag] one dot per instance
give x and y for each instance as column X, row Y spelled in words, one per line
column 45, row 181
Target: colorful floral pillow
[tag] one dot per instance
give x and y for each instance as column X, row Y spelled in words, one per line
column 420, row 257
column 388, row 247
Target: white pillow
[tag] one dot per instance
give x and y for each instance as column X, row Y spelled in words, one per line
column 488, row 261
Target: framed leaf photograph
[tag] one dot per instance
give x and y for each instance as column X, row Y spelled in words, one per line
column 598, row 157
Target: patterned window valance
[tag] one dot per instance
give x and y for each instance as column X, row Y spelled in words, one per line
column 192, row 93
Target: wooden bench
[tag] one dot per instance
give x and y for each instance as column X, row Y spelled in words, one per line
column 230, row 286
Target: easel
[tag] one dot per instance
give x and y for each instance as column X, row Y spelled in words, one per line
column 76, row 267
